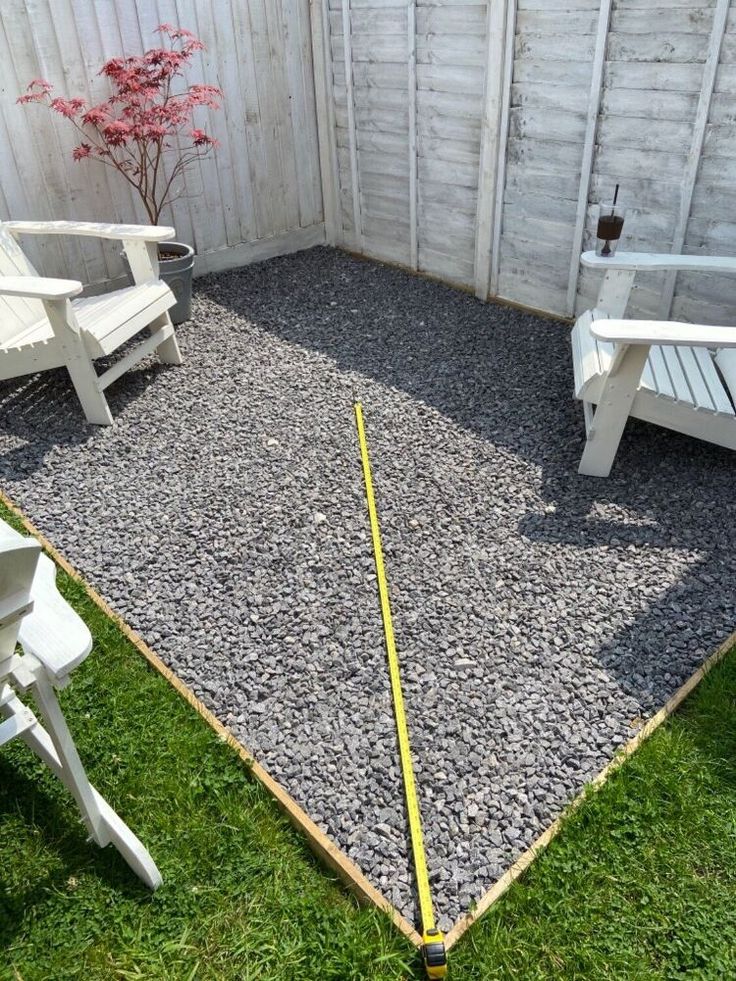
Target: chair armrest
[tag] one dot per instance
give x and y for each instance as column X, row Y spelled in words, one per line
column 143, row 233
column 650, row 261
column 53, row 632
column 663, row 332
column 39, row 287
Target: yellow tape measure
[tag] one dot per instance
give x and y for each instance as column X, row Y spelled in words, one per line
column 433, row 943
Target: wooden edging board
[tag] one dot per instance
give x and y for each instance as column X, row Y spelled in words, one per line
column 347, row 871
column 333, row 857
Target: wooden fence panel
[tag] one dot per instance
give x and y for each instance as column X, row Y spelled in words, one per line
column 469, row 139
column 259, row 194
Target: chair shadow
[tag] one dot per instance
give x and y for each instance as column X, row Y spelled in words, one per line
column 506, row 377
column 63, row 834
column 42, row 412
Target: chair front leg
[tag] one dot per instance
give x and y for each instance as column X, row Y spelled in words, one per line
column 55, row 746
column 78, row 362
column 609, row 420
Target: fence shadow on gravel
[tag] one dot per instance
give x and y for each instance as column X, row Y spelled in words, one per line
column 506, row 376
column 42, row 412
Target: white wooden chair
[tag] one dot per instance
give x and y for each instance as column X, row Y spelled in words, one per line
column 41, row 327
column 53, row 641
column 680, row 376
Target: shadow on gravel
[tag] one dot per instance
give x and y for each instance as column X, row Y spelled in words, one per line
column 506, row 376
column 42, row 412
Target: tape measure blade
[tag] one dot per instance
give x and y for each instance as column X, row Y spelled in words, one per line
column 407, row 768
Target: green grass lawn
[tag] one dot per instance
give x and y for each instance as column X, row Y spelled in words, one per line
column 640, row 884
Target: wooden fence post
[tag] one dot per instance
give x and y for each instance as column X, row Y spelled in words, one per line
column 324, row 100
column 586, row 167
column 354, row 178
column 491, row 147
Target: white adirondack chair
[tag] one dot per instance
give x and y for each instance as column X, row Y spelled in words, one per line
column 53, row 641
column 41, row 327
column 680, row 376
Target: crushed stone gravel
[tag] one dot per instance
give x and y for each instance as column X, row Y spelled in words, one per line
column 540, row 616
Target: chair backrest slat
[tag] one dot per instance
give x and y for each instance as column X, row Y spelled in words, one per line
column 15, row 312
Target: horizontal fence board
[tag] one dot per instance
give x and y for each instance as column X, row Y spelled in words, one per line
column 659, row 46
column 552, row 71
column 642, row 192
column 460, row 199
column 454, row 105
column 722, row 109
column 544, row 6
column 453, row 240
column 712, row 235
column 545, row 235
column 439, row 218
column 451, row 151
column 367, row 20
column 670, row 6
column 544, row 156
column 521, row 181
column 572, row 98
column 382, row 120
column 445, row 265
column 439, row 171
column 372, row 48
column 653, row 75
column 372, row 98
column 358, row 5
column 557, row 21
column 702, row 312
column 450, row 49
column 728, row 50
column 372, row 76
column 648, row 104
column 567, row 127
column 545, row 207
column 688, row 19
column 456, row 19
column 644, row 134
column 467, row 79
column 720, row 141
column 713, row 200
column 626, row 162
column 554, row 47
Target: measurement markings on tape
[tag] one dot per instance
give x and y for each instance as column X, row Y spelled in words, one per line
column 433, row 944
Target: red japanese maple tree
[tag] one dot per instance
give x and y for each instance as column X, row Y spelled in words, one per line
column 144, row 130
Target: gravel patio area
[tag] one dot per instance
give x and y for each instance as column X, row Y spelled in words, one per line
column 539, row 615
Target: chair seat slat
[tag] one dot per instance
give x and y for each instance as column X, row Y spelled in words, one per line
column 714, row 384
column 660, row 375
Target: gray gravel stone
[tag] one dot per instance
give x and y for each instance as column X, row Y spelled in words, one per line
column 540, row 615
